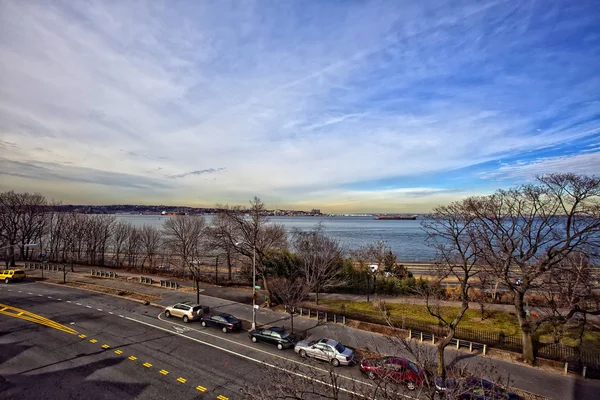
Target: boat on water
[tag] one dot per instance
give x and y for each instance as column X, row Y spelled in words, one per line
column 171, row 214
column 396, row 217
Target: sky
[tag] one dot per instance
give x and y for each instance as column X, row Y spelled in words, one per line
column 345, row 106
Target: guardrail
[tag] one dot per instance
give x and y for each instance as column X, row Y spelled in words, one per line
column 169, row 284
column 44, row 266
column 322, row 315
column 144, row 279
column 103, row 274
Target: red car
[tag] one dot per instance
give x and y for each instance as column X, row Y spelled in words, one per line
column 398, row 370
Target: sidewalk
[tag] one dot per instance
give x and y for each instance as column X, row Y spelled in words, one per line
column 551, row 385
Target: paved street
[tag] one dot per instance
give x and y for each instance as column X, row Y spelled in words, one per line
column 206, row 358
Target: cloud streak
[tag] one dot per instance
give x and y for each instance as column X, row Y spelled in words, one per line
column 198, row 172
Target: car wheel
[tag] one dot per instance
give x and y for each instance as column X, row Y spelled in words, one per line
column 186, row 319
column 302, row 353
column 224, row 330
column 167, row 314
column 335, row 362
column 254, row 339
column 6, row 281
column 371, row 375
column 279, row 346
column 204, row 324
column 410, row 385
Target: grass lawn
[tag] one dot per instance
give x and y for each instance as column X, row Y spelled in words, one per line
column 495, row 321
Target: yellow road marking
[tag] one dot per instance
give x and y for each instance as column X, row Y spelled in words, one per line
column 221, row 397
column 201, row 388
column 93, row 341
column 31, row 317
column 132, row 358
column 164, row 372
column 182, row 380
column 105, row 346
column 147, row 365
column 82, row 336
column 118, row 352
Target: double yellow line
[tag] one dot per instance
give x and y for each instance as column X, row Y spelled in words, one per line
column 31, row 317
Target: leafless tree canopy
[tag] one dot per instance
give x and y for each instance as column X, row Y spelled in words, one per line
column 526, row 233
column 247, row 230
column 320, row 257
column 451, row 231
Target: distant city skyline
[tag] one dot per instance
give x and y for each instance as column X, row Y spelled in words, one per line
column 348, row 107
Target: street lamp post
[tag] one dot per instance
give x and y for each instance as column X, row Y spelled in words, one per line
column 253, row 287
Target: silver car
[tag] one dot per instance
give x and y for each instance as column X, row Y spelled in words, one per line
column 187, row 310
column 329, row 350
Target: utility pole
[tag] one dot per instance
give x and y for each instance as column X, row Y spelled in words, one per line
column 254, row 286
column 217, row 270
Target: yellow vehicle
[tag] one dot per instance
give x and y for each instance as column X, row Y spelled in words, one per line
column 11, row 275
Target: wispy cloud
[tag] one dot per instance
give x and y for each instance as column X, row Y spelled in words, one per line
column 297, row 98
column 198, row 172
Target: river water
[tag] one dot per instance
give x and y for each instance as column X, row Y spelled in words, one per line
column 404, row 237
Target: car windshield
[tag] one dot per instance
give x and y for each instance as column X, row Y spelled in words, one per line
column 413, row 367
column 340, row 348
column 230, row 318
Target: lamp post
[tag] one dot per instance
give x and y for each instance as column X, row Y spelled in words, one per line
column 254, row 306
column 254, row 287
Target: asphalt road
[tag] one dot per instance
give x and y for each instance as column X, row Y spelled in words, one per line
column 120, row 349
column 40, row 362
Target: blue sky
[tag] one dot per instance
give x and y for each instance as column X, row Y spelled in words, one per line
column 341, row 105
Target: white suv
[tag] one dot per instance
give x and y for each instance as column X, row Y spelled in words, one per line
column 187, row 310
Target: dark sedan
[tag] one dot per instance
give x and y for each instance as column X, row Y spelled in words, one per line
column 473, row 389
column 277, row 336
column 227, row 322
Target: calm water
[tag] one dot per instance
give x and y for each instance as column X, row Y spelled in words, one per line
column 405, row 238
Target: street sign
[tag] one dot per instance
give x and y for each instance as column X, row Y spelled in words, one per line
column 256, row 306
column 43, row 255
column 257, row 287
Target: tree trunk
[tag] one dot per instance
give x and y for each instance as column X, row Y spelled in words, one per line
column 267, row 292
column 197, row 290
column 441, row 347
column 317, row 295
column 292, row 318
column 229, row 263
column 527, row 334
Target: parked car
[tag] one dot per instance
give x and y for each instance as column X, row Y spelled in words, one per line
column 473, row 389
column 227, row 322
column 329, row 350
column 186, row 310
column 396, row 369
column 277, row 336
column 11, row 275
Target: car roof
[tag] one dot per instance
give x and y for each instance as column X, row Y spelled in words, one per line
column 330, row 342
column 225, row 315
column 276, row 329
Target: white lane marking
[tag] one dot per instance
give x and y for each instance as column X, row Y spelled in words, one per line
column 68, row 301
column 59, row 299
column 110, row 313
column 121, row 316
column 49, row 297
column 99, row 309
column 20, row 291
column 39, row 295
column 264, row 362
column 78, row 304
column 89, row 306
column 29, row 293
column 10, row 290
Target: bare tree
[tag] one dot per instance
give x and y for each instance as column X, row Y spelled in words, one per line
column 220, row 233
column 186, row 237
column 133, row 246
column 525, row 233
column 320, row 257
column 291, row 292
column 253, row 236
column 370, row 259
column 151, row 242
column 119, row 239
column 451, row 232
